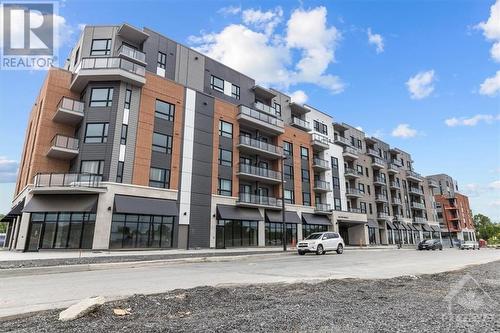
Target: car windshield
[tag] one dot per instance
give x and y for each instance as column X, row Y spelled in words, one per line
column 314, row 236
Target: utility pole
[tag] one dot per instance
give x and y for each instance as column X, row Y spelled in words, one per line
column 283, row 225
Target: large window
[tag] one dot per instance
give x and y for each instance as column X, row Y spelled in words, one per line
column 162, row 143
column 287, row 148
column 123, row 134
column 308, row 229
column 100, row 47
column 225, row 187
column 288, row 171
column 96, row 133
column 304, row 153
column 128, row 99
column 162, row 60
column 335, row 162
column 235, row 91
column 289, row 197
column 159, row 178
column 92, row 167
column 305, row 176
column 306, row 198
column 119, row 172
column 321, row 128
column 68, row 230
column 101, row 97
column 217, row 83
column 337, row 204
column 371, row 235
column 164, row 110
column 225, row 157
column 274, row 233
column 225, row 129
column 141, row 231
column 239, row 233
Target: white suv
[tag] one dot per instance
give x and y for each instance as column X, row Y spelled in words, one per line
column 321, row 242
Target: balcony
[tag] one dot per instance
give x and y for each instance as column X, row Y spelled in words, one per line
column 417, row 205
column 63, row 147
column 412, row 175
column 380, row 198
column 321, row 164
column 107, row 69
column 321, row 186
column 419, row 220
column 298, row 108
column 340, row 140
column 356, row 211
column 378, row 163
column 251, row 172
column 372, row 152
column 260, row 120
column 132, row 54
column 254, row 146
column 397, row 163
column 416, row 191
column 353, row 193
column 301, row 124
column 379, row 181
column 67, row 183
column 323, row 208
column 432, row 183
column 265, row 108
column 350, row 154
column 395, row 186
column 69, row 111
column 392, row 169
column 251, row 200
column 320, row 142
column 396, row 201
column 383, row 216
column 351, row 173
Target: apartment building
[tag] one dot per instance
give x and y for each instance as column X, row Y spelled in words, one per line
column 141, row 142
column 452, row 209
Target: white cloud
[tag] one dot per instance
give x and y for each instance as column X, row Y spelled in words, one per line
column 230, row 10
column 299, row 97
column 359, row 128
column 472, row 121
column 379, row 134
column 473, row 189
column 495, row 52
column 302, row 54
column 8, row 170
column 495, row 185
column 490, row 86
column 421, row 84
column 404, row 131
column 491, row 30
column 495, row 203
column 377, row 40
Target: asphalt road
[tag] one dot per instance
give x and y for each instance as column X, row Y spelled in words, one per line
column 27, row 293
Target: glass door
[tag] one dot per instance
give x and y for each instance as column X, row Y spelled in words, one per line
column 34, row 238
column 219, row 237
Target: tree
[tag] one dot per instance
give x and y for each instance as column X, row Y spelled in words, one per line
column 485, row 229
column 3, row 226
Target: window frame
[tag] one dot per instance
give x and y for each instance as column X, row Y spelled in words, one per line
column 224, row 192
column 235, row 91
column 161, row 60
column 103, row 137
column 225, row 162
column 165, row 182
column 101, row 52
column 100, row 167
column 170, row 116
column 224, row 133
column 306, row 156
column 107, row 102
column 128, row 99
column 162, row 149
column 213, row 85
column 287, row 152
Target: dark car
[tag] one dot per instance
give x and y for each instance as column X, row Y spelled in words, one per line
column 430, row 244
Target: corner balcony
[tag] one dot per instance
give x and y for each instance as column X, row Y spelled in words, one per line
column 392, row 169
column 396, row 202
column 321, row 186
column 107, row 69
column 255, row 173
column 340, row 140
column 320, row 142
column 411, row 175
column 379, row 181
column 320, row 164
column 252, row 200
column 301, row 124
column 323, row 208
column 132, row 54
column 69, row 111
column 351, row 173
column 417, row 205
column 416, row 191
column 254, row 146
column 63, row 147
column 353, row 193
column 378, row 163
column 350, row 154
column 380, row 198
column 298, row 108
column 260, row 120
column 67, row 183
column 395, row 186
column 432, row 183
column 266, row 109
column 372, row 152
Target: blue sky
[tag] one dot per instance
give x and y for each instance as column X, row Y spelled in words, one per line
column 424, row 76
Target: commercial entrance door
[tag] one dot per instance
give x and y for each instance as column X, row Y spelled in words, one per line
column 219, row 237
column 344, row 233
column 34, row 238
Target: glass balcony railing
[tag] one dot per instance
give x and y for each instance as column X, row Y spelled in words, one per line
column 341, row 139
column 132, row 53
column 356, row 210
column 244, row 140
column 66, row 180
column 378, row 161
column 351, row 151
column 393, row 167
column 301, row 123
column 254, row 199
column 258, row 115
column 416, row 191
column 419, row 220
column 395, row 185
column 322, row 185
column 380, row 197
column 321, row 207
column 111, row 63
column 353, row 191
column 413, row 174
column 61, row 141
column 265, row 108
column 71, row 105
column 351, row 172
column 382, row 215
column 320, row 138
column 396, row 201
column 372, row 152
column 417, row 205
column 379, row 180
column 259, row 172
column 319, row 162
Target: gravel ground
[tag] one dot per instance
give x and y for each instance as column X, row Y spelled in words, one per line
column 405, row 304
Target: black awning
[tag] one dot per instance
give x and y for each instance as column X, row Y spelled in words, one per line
column 417, row 227
column 435, row 228
column 406, row 226
column 62, row 203
column 426, row 227
column 401, row 226
column 309, row 218
column 373, row 223
column 276, row 217
column 225, row 212
column 148, row 206
column 390, row 225
column 14, row 212
column 412, row 227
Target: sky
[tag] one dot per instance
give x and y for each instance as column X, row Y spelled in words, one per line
column 423, row 76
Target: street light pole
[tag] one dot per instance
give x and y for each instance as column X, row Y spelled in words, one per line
column 283, row 225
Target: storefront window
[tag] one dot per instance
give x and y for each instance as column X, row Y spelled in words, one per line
column 371, row 235
column 274, row 234
column 141, row 231
column 308, row 229
column 239, row 233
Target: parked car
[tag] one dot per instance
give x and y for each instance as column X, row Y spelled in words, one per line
column 469, row 245
column 2, row 240
column 430, row 244
column 321, row 242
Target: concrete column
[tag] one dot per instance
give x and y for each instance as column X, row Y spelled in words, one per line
column 262, row 233
column 23, row 231
column 103, row 220
column 299, row 232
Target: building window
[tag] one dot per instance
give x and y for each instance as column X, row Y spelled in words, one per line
column 304, row 153
column 225, row 187
column 306, row 198
column 96, row 133
column 335, row 162
column 321, row 128
column 305, row 176
column 274, row 233
column 361, row 187
column 217, row 83
column 337, row 204
column 353, row 141
column 308, row 229
column 159, row 178
column 164, row 110
column 359, row 168
column 101, row 97
column 100, row 47
column 225, row 129
column 336, row 182
column 235, row 91
column 128, row 98
column 123, row 135
column 77, row 54
column 367, row 173
column 370, row 207
column 141, row 231
column 162, row 60
column 225, row 157
column 119, row 172
column 288, row 171
column 371, row 235
column 92, row 167
column 368, row 189
column 287, row 148
column 277, row 107
column 239, row 232
column 162, row 143
column 362, row 207
column 289, row 197
column 360, row 145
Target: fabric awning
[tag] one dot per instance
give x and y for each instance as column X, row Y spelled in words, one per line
column 14, row 212
column 62, row 203
column 406, row 226
column 373, row 224
column 126, row 204
column 412, row 227
column 276, row 217
column 390, row 225
column 417, row 227
column 435, row 228
column 401, row 226
column 309, row 218
column 426, row 227
column 225, row 212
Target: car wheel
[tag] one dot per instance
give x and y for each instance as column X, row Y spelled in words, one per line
column 319, row 250
column 440, row 248
column 301, row 253
column 340, row 249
